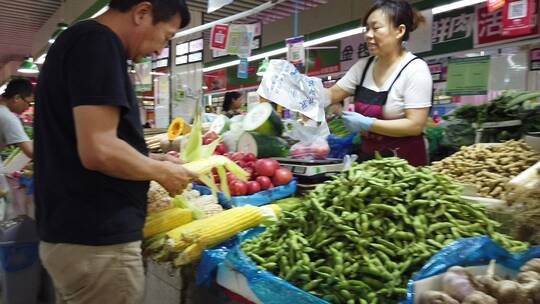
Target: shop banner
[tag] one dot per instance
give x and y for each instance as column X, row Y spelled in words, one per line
column 494, row 5
column 216, row 80
column 436, row 70
column 452, row 31
column 518, row 17
column 489, row 28
column 353, row 48
column 468, row 76
column 296, row 52
column 240, row 39
column 219, row 36
column 214, row 5
column 535, row 59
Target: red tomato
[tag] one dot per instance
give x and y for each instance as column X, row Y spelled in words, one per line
column 282, row 177
column 250, row 171
column 221, row 149
column 241, row 163
column 230, row 178
column 250, row 164
column 250, row 157
column 253, row 187
column 238, row 188
column 266, row 166
column 237, row 156
column 264, row 181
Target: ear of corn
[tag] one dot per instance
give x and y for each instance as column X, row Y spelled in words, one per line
column 216, row 229
column 166, row 221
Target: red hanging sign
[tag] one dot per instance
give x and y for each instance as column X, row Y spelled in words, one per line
column 494, row 5
column 219, row 36
column 519, row 17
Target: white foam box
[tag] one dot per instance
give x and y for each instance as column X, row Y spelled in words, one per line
column 435, row 282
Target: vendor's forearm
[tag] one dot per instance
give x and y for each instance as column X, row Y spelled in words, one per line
column 397, row 127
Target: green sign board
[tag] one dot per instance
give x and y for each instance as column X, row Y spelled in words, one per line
column 468, row 76
column 452, row 31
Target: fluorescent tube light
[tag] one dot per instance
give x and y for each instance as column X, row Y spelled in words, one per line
column 101, row 11
column 41, row 59
column 454, row 5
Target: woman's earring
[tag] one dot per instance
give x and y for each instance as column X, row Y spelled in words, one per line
column 404, row 44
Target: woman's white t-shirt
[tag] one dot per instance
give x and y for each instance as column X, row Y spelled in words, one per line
column 412, row 89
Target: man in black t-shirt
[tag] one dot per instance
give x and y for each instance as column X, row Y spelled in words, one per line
column 91, row 163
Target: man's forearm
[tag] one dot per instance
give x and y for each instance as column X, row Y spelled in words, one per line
column 118, row 159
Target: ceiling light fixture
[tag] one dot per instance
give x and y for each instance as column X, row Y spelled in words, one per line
column 454, row 5
column 28, row 66
column 60, row 27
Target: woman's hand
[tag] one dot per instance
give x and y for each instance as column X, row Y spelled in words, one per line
column 355, row 122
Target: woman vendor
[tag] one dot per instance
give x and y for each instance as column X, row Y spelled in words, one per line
column 392, row 88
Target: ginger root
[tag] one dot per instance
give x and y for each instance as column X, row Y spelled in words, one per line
column 436, row 297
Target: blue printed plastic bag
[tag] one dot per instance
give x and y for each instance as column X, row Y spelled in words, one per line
column 267, row 287
column 467, row 252
column 213, row 257
column 222, row 200
column 339, row 147
column 258, row 199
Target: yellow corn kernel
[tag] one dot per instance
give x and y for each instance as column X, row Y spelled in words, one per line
column 167, row 221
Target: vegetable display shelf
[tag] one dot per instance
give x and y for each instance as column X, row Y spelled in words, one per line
column 493, row 125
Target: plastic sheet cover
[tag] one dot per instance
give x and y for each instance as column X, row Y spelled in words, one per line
column 467, row 252
column 267, row 287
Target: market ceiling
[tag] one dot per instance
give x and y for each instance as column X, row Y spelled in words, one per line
column 19, row 21
column 280, row 11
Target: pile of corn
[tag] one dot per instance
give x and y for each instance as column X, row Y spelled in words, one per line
column 185, row 244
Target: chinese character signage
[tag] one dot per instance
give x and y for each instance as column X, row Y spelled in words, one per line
column 453, row 31
column 468, row 76
column 535, row 60
column 489, row 28
column 353, row 48
column 519, row 17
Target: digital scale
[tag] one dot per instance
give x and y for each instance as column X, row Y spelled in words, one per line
column 310, row 172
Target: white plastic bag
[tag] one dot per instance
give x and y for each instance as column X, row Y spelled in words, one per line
column 312, row 136
column 284, row 85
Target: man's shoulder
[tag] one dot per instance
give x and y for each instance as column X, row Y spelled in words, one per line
column 87, row 31
column 6, row 114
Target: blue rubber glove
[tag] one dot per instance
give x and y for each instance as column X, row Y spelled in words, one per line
column 355, row 122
